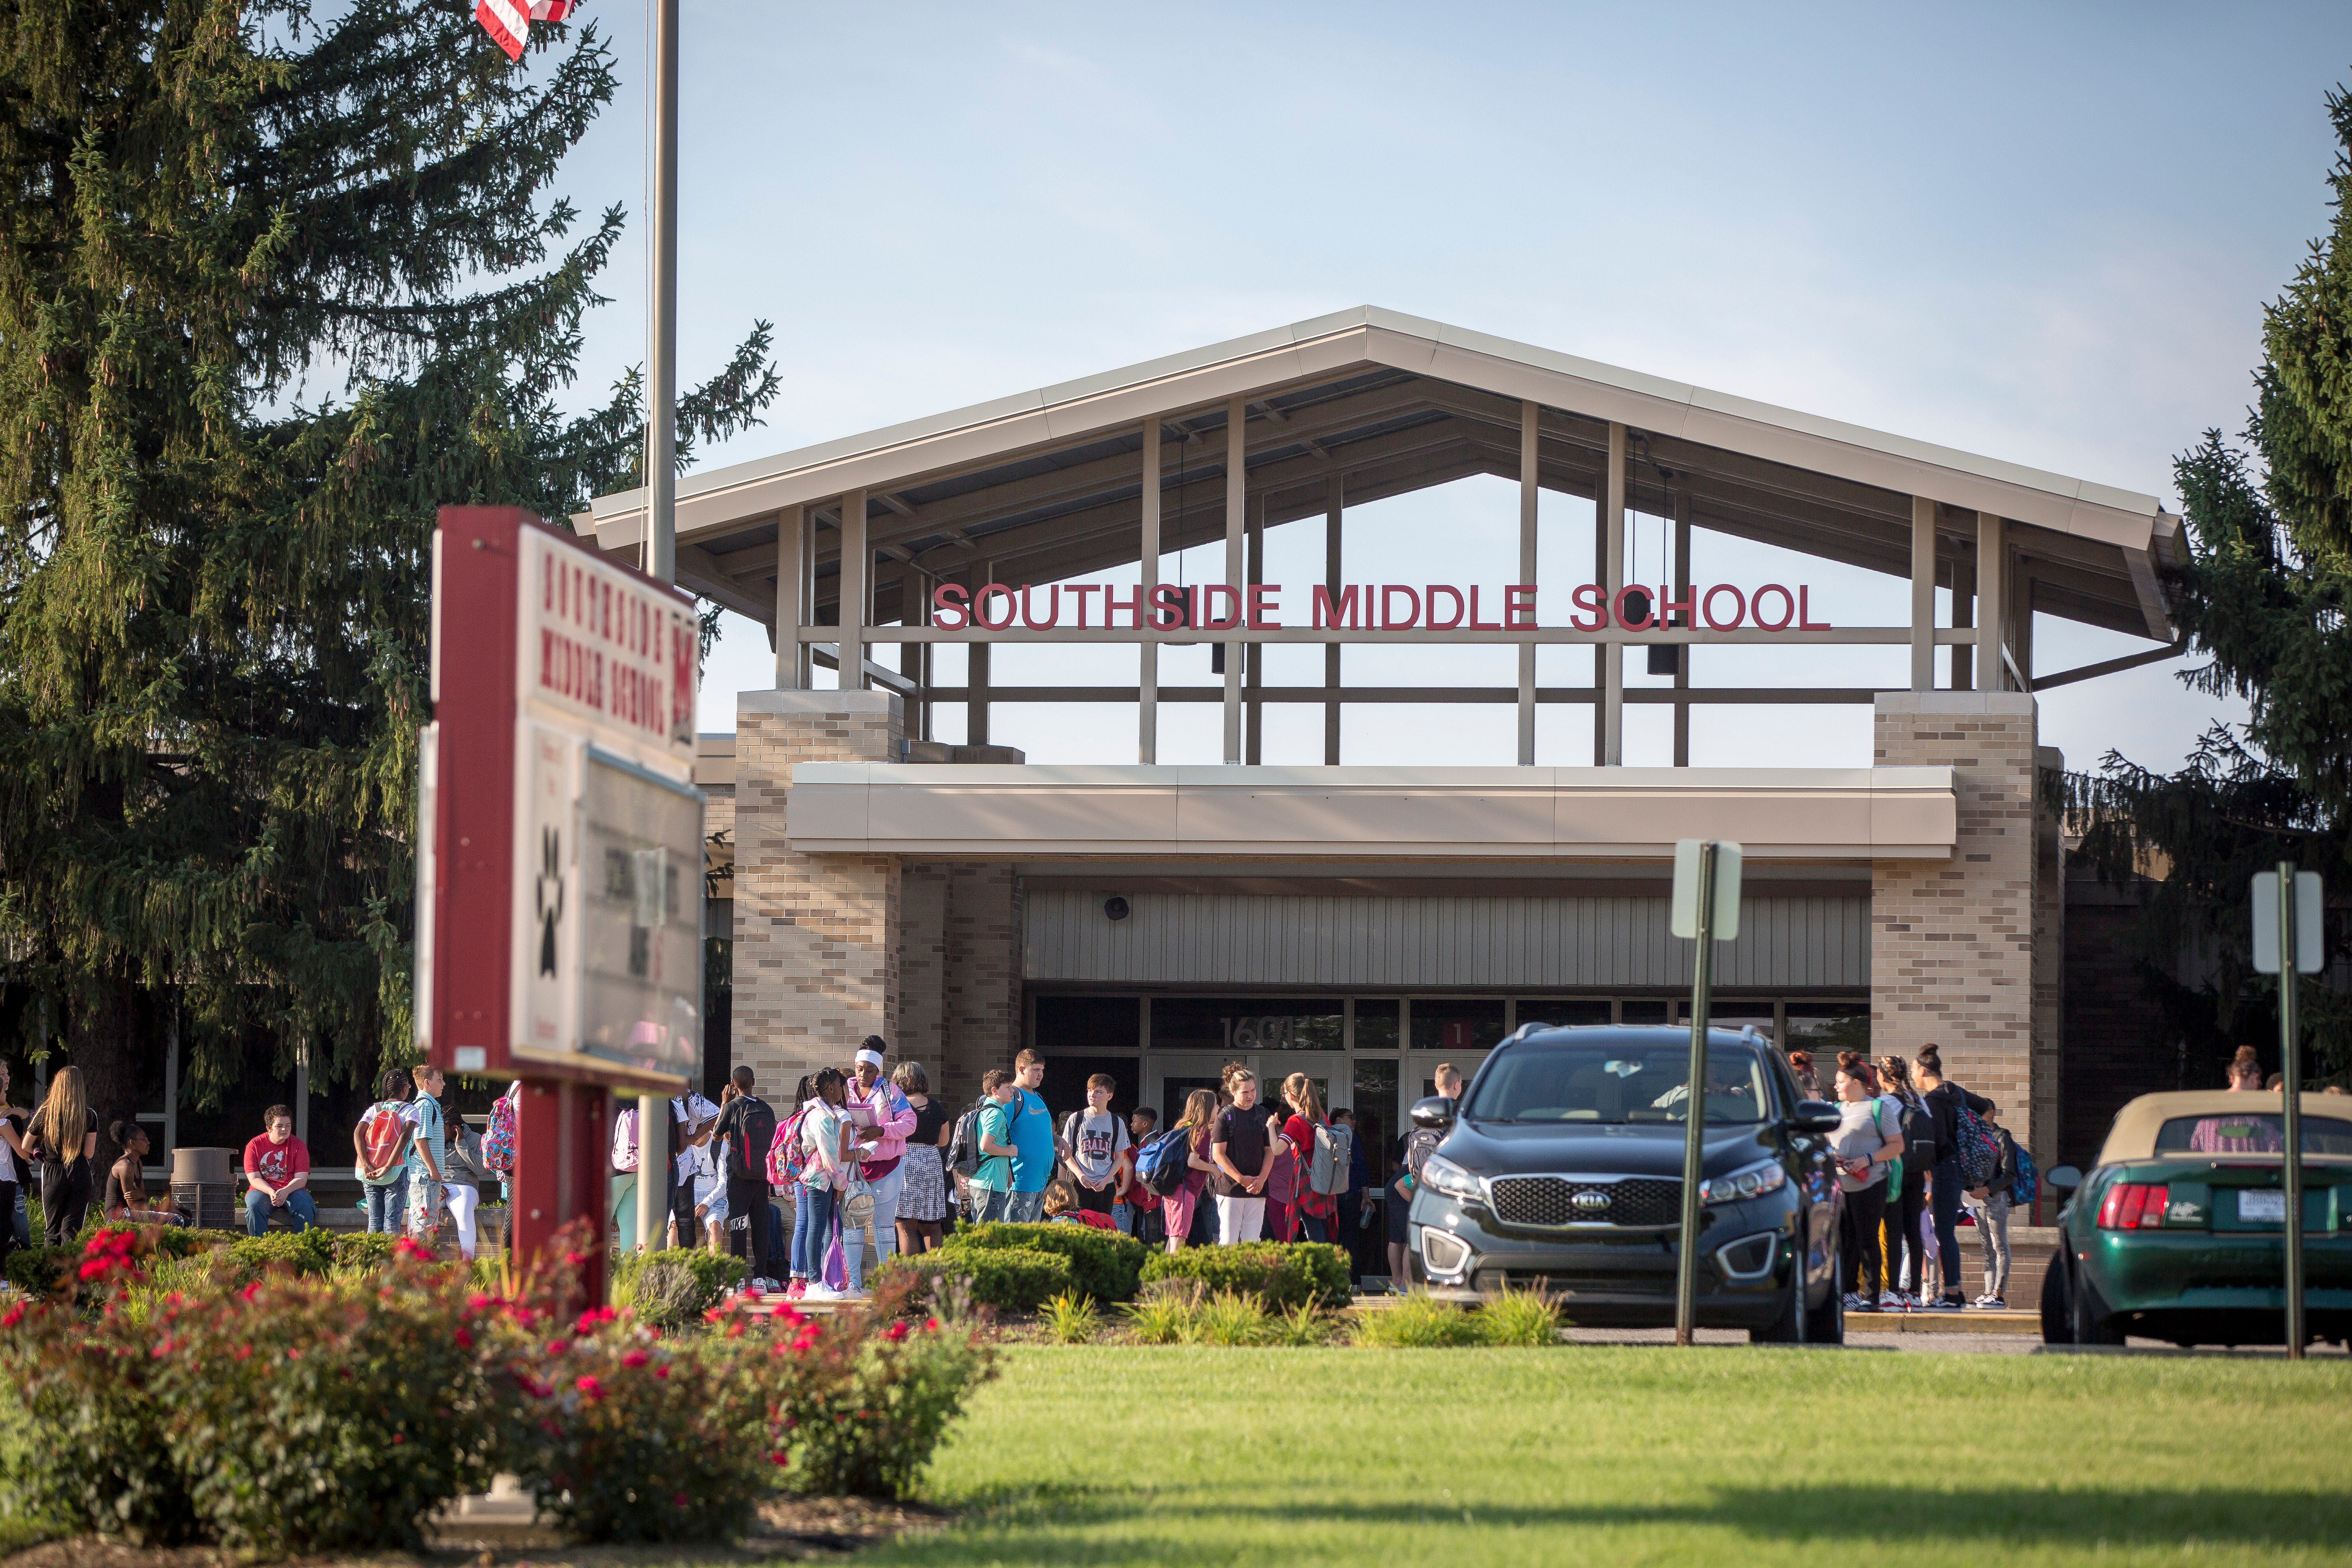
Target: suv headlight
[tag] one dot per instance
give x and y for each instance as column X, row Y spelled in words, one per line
column 1748, row 1182
column 1442, row 1175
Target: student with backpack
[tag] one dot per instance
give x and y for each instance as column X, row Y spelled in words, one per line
column 1955, row 1111
column 1091, row 1143
column 748, row 1126
column 1180, row 1185
column 380, row 1147
column 990, row 1183
column 1414, row 1151
column 1322, row 1151
column 1350, row 1219
column 1135, row 1207
column 1906, row 1189
column 1990, row 1203
column 886, row 1119
column 828, row 1143
column 1868, row 1139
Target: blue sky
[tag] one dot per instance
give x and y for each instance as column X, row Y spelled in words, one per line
column 2042, row 233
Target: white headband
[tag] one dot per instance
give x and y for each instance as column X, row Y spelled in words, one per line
column 869, row 1058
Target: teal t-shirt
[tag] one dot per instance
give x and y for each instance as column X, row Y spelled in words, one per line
column 995, row 1172
column 429, row 1135
column 1033, row 1155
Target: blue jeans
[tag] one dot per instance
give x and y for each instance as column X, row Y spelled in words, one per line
column 299, row 1203
column 812, row 1231
column 1026, row 1208
column 991, row 1204
column 387, row 1206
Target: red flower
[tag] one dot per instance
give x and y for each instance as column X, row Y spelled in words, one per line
column 677, row 1499
column 662, row 1371
column 636, row 1358
column 250, row 1291
column 241, row 1352
column 896, row 1331
column 591, row 1387
column 398, row 1437
column 465, row 1339
column 14, row 1315
column 931, row 1325
column 557, row 1347
column 780, row 1458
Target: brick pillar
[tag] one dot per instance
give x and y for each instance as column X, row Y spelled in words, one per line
column 983, row 990
column 1952, row 945
column 816, row 936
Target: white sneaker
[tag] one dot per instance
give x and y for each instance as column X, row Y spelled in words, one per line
column 1852, row 1302
column 1891, row 1302
column 821, row 1293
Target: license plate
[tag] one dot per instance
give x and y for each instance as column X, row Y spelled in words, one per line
column 2260, row 1206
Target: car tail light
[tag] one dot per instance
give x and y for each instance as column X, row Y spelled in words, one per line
column 2133, row 1205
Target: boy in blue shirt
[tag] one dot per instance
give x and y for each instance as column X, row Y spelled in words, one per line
column 428, row 1156
column 1035, row 1157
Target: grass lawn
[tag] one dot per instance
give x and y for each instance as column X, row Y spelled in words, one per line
column 1637, row 1454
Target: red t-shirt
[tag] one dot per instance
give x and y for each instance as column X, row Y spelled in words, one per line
column 277, row 1163
column 1304, row 1197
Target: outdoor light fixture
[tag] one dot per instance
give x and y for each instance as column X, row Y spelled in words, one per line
column 1116, row 908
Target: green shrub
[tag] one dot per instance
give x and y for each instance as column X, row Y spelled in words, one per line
column 1302, row 1325
column 872, row 1394
column 1282, row 1275
column 311, row 1414
column 40, row 1270
column 361, row 1248
column 1520, row 1318
column 671, row 1289
column 624, row 1434
column 1071, row 1320
column 309, row 1252
column 1162, row 1310
column 1227, row 1317
column 1103, row 1263
column 1417, row 1322
column 1009, row 1279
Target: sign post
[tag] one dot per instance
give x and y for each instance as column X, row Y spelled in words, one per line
column 2287, row 942
column 558, row 934
column 1705, row 909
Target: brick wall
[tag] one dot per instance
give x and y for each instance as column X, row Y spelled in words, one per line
column 816, row 936
column 1952, row 942
column 982, row 993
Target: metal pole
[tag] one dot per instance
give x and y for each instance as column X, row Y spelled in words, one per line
column 2293, row 1121
column 1695, row 1104
column 661, row 392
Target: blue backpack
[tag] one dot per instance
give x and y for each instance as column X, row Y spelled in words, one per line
column 1163, row 1164
column 2028, row 1186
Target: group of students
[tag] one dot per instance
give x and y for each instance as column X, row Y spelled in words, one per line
column 413, row 1162
column 1284, row 1173
column 1912, row 1148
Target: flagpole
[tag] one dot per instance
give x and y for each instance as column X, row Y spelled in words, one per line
column 661, row 516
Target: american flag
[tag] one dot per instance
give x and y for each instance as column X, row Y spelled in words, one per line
column 507, row 22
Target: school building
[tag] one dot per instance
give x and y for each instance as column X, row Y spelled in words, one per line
column 1362, row 923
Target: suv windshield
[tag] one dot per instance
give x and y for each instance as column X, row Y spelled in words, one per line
column 1539, row 1081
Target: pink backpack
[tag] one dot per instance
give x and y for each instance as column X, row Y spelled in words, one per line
column 785, row 1161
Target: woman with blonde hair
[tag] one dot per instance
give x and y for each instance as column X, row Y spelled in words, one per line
column 1311, row 1212
column 64, row 1139
column 1200, row 1116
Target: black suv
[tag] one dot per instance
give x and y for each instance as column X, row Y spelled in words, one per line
column 1561, row 1168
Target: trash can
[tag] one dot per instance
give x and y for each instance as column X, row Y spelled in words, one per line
column 204, row 1184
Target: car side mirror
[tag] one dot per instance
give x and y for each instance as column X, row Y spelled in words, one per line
column 1436, row 1113
column 1815, row 1116
column 2064, row 1178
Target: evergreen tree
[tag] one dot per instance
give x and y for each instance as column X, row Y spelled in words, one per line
column 213, row 592
column 2264, row 594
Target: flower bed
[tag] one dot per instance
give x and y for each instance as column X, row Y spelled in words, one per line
column 302, row 1412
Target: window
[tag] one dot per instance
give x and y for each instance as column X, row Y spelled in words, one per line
column 1087, row 1023
column 1564, row 1011
column 1448, row 1024
column 1617, row 1083
column 1235, row 1027
column 2240, row 1133
column 1376, row 1025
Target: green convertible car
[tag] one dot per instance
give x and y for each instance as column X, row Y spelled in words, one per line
column 2178, row 1232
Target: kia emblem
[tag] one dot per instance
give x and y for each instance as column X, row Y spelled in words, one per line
column 1589, row 1200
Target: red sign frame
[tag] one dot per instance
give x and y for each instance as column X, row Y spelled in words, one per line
column 469, row 810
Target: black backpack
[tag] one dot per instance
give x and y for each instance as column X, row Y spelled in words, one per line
column 755, row 1130
column 1918, row 1137
column 963, row 1148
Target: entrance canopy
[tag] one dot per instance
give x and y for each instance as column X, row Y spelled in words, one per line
column 1302, row 420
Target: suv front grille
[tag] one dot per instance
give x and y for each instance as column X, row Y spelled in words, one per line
column 1551, row 1201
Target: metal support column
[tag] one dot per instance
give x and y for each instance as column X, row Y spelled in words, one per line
column 789, row 593
column 975, row 723
column 1992, row 602
column 1609, row 525
column 856, row 567
column 1146, row 705
column 1964, row 616
column 1529, row 492
column 1690, row 617
column 1252, row 655
column 1236, row 522
column 1923, row 594
column 1335, row 503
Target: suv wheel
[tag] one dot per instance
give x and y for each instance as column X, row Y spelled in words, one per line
column 2093, row 1324
column 1825, row 1324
